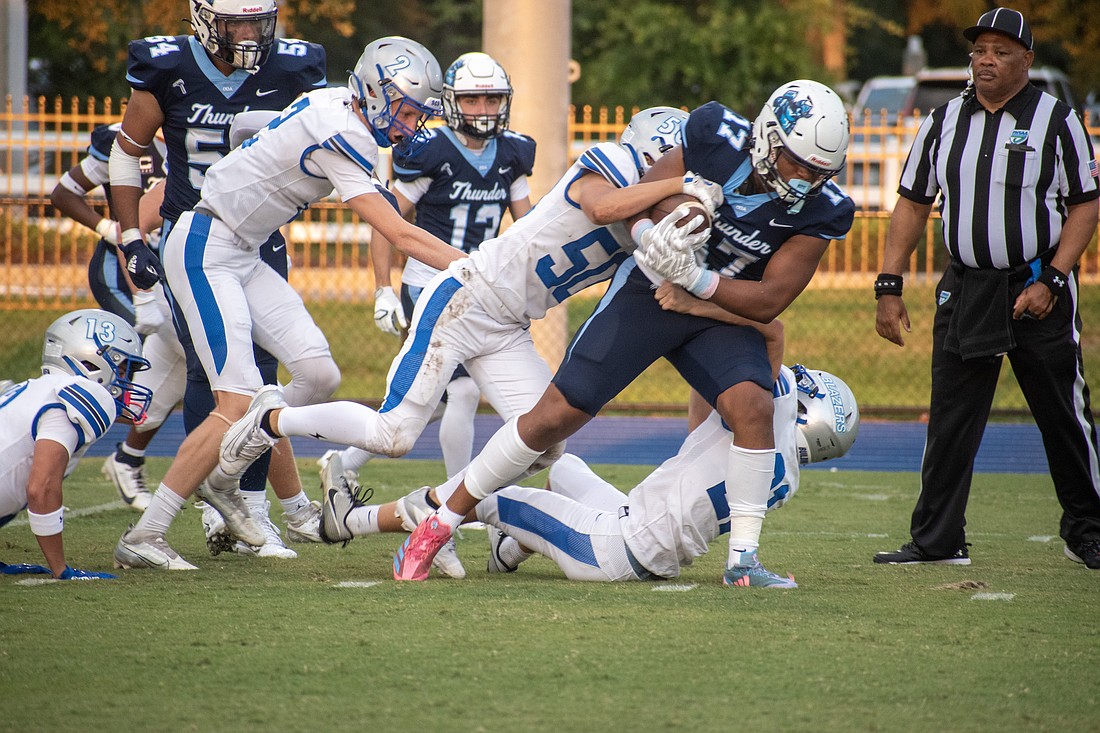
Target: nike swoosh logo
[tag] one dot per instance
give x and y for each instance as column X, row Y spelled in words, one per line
column 774, row 223
column 504, row 170
column 265, row 92
column 281, row 246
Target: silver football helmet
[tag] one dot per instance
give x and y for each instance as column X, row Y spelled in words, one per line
column 473, row 74
column 397, row 69
column 101, row 347
column 239, row 33
column 805, row 121
column 828, row 416
column 651, row 133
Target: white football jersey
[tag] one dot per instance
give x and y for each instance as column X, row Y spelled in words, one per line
column 316, row 144
column 554, row 251
column 680, row 508
column 28, row 411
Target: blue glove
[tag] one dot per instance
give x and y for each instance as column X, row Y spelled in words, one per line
column 23, row 569
column 73, row 574
column 143, row 266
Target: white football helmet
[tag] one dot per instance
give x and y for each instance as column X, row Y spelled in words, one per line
column 828, row 416
column 392, row 69
column 806, row 121
column 218, row 25
column 470, row 74
column 101, row 347
column 651, row 133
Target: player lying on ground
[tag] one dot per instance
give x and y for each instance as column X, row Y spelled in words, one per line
column 46, row 424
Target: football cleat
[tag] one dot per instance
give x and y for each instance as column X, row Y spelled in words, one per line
column 238, row 520
column 752, row 574
column 414, row 556
column 150, row 553
column 306, row 528
column 910, row 554
column 412, row 509
column 497, row 563
column 349, row 473
column 273, row 545
column 129, row 481
column 245, row 441
column 218, row 539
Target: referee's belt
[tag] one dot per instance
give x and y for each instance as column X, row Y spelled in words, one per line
column 1028, row 272
column 639, row 569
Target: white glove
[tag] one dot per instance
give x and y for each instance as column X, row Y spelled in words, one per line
column 109, row 230
column 672, row 255
column 708, row 192
column 149, row 315
column 388, row 314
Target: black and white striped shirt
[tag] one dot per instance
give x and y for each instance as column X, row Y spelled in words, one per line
column 1006, row 177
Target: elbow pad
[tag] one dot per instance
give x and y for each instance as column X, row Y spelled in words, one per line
column 125, row 169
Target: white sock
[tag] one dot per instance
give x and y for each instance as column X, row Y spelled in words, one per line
column 363, row 520
column 336, row 422
column 296, row 506
column 456, row 428
column 158, row 516
column 257, row 503
column 131, row 451
column 511, row 552
column 449, row 518
column 354, row 458
column 504, row 458
column 748, row 482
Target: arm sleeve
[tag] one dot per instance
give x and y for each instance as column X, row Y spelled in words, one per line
column 521, row 189
column 413, row 190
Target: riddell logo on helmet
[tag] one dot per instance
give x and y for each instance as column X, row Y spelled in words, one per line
column 819, row 161
column 253, row 9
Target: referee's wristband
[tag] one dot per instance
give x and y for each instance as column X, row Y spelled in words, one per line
column 888, row 284
column 1054, row 279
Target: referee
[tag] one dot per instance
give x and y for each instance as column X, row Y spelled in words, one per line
column 1018, row 184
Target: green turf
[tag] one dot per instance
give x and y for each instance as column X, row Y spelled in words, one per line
column 274, row 645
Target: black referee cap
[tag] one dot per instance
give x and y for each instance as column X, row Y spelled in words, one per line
column 1002, row 20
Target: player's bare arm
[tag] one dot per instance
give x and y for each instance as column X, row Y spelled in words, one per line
column 788, row 273
column 906, row 227
column 410, row 239
column 140, row 123
column 603, row 203
column 44, row 496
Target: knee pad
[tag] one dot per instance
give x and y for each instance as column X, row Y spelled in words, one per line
column 311, row 381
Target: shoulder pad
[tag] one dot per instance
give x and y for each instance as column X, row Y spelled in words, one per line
column 103, row 137
column 152, row 57
column 433, row 154
column 90, row 408
column 305, row 59
column 610, row 161
column 522, row 150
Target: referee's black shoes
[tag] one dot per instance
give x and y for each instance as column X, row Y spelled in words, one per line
column 1087, row 553
column 910, row 554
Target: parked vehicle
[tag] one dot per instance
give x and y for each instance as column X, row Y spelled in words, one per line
column 935, row 87
column 882, row 94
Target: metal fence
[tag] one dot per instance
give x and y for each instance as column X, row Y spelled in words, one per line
column 44, row 256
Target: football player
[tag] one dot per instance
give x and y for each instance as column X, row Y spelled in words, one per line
column 478, row 312
column 147, row 310
column 327, row 138
column 469, row 172
column 192, row 87
column 779, row 213
column 89, row 359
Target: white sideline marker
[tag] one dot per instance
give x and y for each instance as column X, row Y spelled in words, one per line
column 675, row 588
column 992, row 596
column 357, row 584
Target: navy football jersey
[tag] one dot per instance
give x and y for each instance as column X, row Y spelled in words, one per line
column 470, row 189
column 749, row 228
column 151, row 162
column 199, row 102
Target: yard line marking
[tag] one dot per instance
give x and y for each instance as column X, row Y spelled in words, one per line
column 37, row 581
column 1040, row 538
column 992, row 596
column 676, row 588
column 74, row 513
column 871, row 497
column 876, row 535
column 357, row 583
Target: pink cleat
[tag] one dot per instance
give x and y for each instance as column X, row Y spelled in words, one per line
column 414, row 557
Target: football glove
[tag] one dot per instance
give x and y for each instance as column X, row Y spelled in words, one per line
column 149, row 316
column 74, row 574
column 389, row 316
column 710, row 194
column 23, row 569
column 142, row 264
column 671, row 254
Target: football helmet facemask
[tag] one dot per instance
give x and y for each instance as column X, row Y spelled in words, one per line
column 104, row 348
column 806, row 122
column 651, row 133
column 828, row 416
column 396, row 69
column 239, row 33
column 474, row 74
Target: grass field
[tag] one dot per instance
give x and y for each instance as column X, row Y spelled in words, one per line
column 276, row 645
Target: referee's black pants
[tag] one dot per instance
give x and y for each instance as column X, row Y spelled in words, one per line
column 1047, row 364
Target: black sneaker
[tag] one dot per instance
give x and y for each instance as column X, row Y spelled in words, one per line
column 1086, row 553
column 910, row 554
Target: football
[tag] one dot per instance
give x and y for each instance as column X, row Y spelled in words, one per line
column 665, row 206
